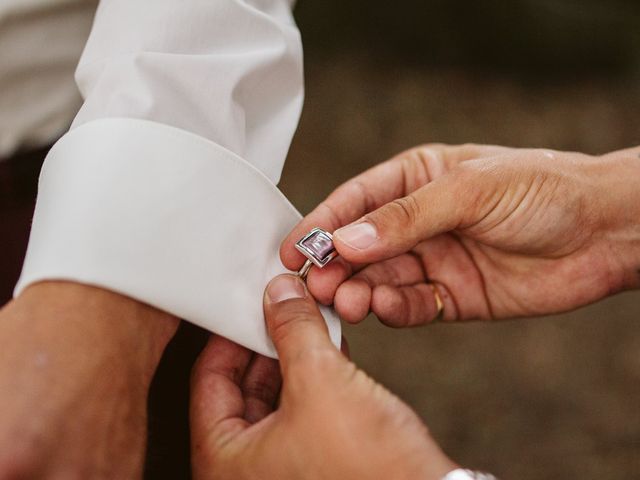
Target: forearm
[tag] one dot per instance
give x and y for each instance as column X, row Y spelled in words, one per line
column 77, row 361
column 90, row 320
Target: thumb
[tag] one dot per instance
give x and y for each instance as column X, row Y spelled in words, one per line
column 293, row 320
column 395, row 228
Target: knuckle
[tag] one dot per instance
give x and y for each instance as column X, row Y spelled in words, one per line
column 433, row 146
column 470, row 146
column 431, row 151
column 406, row 209
column 331, row 214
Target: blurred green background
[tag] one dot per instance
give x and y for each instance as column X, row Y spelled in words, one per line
column 545, row 398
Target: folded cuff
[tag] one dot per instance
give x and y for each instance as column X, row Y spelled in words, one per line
column 166, row 217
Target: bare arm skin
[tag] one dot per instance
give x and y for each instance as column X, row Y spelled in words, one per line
column 75, row 367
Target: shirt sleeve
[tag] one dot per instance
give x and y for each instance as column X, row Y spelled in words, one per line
column 164, row 189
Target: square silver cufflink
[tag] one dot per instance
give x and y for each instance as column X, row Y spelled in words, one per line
column 317, row 246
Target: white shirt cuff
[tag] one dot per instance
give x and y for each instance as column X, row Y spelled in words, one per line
column 166, row 217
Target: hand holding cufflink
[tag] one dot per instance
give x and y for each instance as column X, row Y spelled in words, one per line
column 318, row 248
column 446, row 229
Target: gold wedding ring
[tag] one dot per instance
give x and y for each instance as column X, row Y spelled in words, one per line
column 439, row 304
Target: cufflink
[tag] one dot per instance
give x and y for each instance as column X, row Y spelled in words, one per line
column 317, row 246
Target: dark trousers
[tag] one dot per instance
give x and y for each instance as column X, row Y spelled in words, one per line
column 168, row 448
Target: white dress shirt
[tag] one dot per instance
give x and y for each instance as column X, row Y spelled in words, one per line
column 40, row 44
column 164, row 189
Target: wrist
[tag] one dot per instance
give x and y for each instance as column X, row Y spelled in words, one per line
column 620, row 197
column 96, row 320
column 78, row 362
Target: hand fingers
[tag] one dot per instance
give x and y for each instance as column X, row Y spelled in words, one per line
column 353, row 297
column 455, row 265
column 260, row 388
column 395, row 306
column 448, row 203
column 353, row 300
column 217, row 406
column 407, row 306
column 379, row 185
column 405, row 269
column 443, row 260
column 323, row 282
column 293, row 320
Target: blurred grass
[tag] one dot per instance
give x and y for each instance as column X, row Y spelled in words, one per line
column 545, row 398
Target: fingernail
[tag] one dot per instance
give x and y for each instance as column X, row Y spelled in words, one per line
column 285, row 287
column 359, row 236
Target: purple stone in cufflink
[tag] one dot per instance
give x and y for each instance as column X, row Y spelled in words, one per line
column 317, row 246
